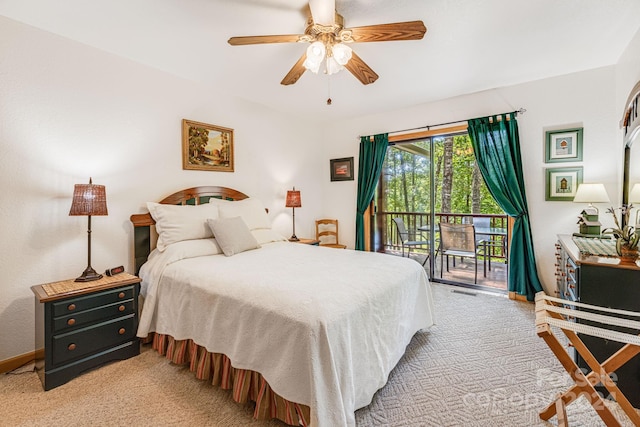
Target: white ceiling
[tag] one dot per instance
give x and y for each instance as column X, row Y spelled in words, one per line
column 470, row 45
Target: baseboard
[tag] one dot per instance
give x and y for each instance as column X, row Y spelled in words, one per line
column 517, row 297
column 9, row 365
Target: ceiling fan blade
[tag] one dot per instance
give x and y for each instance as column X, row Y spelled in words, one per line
column 360, row 70
column 412, row 30
column 323, row 11
column 296, row 71
column 245, row 40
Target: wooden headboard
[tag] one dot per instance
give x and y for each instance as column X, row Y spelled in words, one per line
column 191, row 196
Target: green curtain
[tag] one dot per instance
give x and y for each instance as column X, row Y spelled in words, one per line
column 372, row 155
column 497, row 149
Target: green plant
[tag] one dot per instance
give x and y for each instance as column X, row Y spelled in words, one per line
column 625, row 236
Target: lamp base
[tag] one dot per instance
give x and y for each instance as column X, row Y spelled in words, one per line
column 294, row 239
column 89, row 275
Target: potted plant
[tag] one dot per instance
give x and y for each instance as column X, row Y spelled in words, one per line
column 627, row 238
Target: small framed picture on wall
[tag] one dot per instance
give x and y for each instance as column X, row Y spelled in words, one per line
column 563, row 145
column 562, row 183
column 341, row 169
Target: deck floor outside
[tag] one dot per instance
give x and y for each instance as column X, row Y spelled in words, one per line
column 463, row 271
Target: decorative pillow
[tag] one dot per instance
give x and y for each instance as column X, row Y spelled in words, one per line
column 177, row 223
column 250, row 210
column 233, row 235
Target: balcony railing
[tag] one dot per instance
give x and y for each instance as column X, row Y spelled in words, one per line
column 389, row 239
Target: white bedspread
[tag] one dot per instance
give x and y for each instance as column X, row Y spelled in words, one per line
column 325, row 327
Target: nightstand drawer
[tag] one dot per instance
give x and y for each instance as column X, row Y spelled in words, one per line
column 74, row 305
column 95, row 314
column 78, row 343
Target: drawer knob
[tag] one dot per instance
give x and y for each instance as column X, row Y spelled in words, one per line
column 71, row 347
column 121, row 331
column 121, row 308
column 71, row 322
column 121, row 295
column 71, row 307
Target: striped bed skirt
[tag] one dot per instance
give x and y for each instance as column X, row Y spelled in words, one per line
column 246, row 385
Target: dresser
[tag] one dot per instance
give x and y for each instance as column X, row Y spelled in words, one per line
column 82, row 325
column 605, row 282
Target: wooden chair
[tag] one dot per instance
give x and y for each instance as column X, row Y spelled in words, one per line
column 327, row 233
column 406, row 239
column 552, row 311
column 459, row 240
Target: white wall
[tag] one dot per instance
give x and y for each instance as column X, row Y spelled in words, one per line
column 68, row 112
column 586, row 99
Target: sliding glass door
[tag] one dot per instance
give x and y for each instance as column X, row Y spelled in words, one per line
column 431, row 180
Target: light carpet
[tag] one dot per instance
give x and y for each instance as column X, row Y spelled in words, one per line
column 481, row 365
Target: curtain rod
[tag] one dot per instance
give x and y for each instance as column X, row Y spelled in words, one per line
column 428, row 127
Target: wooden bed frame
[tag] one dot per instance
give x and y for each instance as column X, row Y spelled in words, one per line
column 191, row 196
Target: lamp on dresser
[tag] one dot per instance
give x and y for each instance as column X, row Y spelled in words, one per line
column 89, row 200
column 588, row 219
column 293, row 201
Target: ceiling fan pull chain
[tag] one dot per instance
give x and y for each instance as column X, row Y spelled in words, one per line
column 329, row 89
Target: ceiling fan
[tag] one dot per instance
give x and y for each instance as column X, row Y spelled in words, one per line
column 329, row 42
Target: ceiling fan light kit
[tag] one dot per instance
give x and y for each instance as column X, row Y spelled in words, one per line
column 328, row 37
column 334, row 56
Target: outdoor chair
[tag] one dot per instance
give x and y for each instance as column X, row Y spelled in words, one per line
column 459, row 240
column 485, row 240
column 406, row 239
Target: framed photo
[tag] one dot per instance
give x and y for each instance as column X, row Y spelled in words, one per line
column 342, row 169
column 562, row 183
column 206, row 147
column 563, row 145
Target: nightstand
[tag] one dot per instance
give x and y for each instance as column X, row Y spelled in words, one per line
column 312, row 242
column 82, row 325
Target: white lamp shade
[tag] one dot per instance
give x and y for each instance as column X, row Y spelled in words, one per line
column 333, row 66
column 591, row 193
column 315, row 55
column 634, row 195
column 342, row 53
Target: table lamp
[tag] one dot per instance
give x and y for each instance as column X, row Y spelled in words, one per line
column 588, row 219
column 591, row 193
column 293, row 201
column 89, row 200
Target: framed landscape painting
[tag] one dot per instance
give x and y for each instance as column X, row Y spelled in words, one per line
column 206, row 147
column 342, row 169
column 562, row 183
column 563, row 145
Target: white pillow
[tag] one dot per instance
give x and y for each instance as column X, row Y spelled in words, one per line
column 177, row 223
column 233, row 235
column 267, row 235
column 190, row 249
column 250, row 210
column 217, row 201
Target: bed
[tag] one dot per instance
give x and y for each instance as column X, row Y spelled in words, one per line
column 307, row 333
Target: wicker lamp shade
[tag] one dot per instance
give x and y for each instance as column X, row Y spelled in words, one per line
column 89, row 199
column 293, row 201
